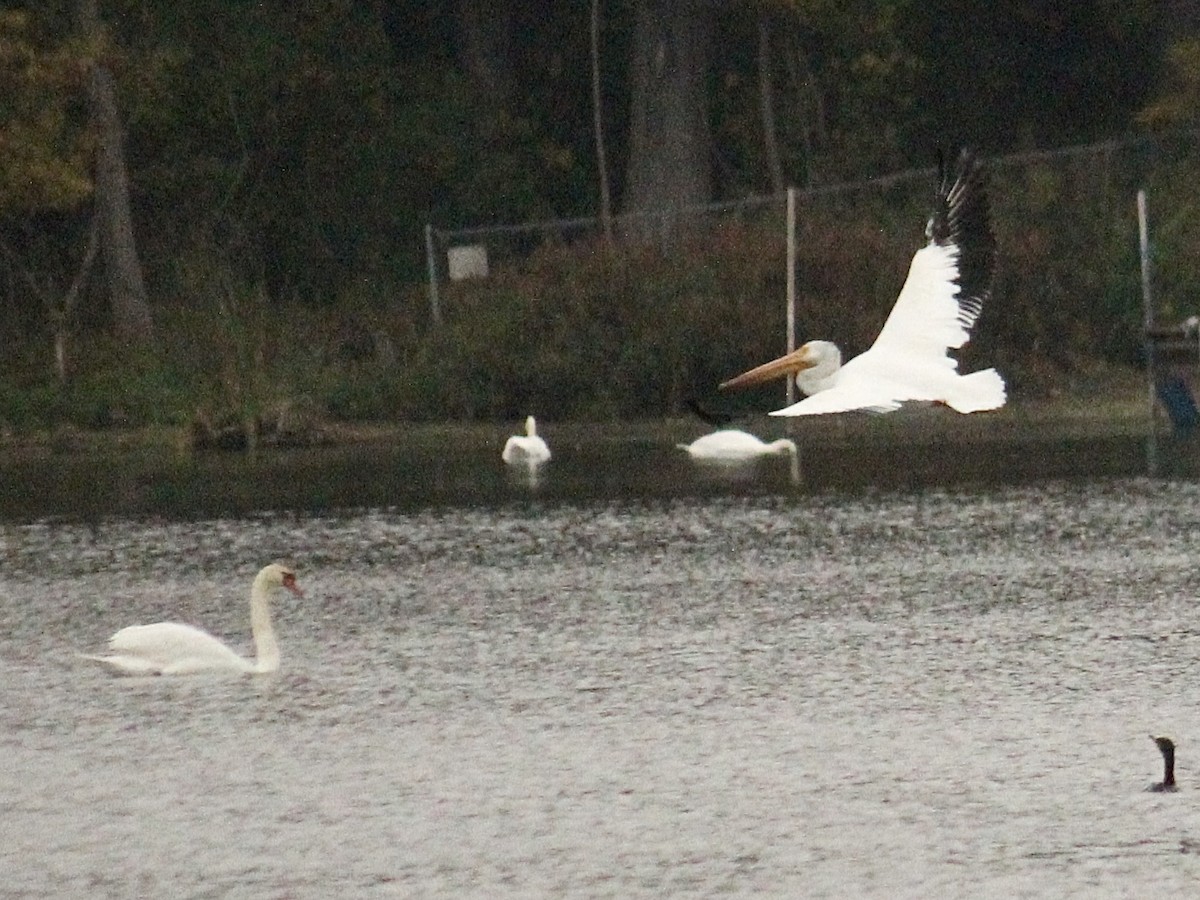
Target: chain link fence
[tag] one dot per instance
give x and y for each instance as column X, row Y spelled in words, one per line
column 1068, row 284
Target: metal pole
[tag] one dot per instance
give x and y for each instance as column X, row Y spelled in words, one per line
column 1147, row 325
column 435, row 309
column 791, row 286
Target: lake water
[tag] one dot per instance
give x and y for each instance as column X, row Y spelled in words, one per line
column 746, row 687
column 432, row 466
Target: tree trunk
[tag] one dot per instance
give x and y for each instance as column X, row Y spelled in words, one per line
column 598, row 126
column 670, row 163
column 809, row 110
column 60, row 312
column 123, row 268
column 767, row 105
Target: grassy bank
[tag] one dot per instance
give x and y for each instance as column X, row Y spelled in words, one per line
column 1119, row 409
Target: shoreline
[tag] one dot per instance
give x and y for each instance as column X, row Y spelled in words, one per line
column 80, row 475
column 1125, row 414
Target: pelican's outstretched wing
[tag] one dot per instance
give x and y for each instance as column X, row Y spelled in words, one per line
column 849, row 396
column 950, row 278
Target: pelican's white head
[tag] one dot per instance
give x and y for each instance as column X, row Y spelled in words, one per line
column 812, row 364
column 823, row 361
column 821, row 357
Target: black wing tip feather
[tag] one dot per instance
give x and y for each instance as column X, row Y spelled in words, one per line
column 962, row 217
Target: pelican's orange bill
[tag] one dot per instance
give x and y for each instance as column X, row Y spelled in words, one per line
column 796, row 361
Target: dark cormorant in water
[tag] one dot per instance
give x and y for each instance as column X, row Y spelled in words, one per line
column 1167, row 747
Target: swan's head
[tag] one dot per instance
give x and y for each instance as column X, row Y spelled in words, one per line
column 530, row 427
column 279, row 576
column 783, row 446
column 823, row 357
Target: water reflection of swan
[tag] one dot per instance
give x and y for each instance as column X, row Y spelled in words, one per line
column 527, row 449
column 170, row 648
column 731, row 445
column 525, row 475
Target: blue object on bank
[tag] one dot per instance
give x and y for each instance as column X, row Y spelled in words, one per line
column 1180, row 405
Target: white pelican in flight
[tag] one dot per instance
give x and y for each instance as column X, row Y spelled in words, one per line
column 731, row 445
column 527, row 449
column 948, row 283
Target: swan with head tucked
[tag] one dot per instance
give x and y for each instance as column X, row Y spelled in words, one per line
column 527, row 449
column 948, row 283
column 732, row 445
column 171, row 648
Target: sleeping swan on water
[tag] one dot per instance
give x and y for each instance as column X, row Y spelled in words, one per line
column 731, row 445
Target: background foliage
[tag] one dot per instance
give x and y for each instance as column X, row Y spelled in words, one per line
column 285, row 157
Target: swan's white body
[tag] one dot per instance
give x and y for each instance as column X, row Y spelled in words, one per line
column 947, row 284
column 527, row 449
column 731, row 445
column 171, row 648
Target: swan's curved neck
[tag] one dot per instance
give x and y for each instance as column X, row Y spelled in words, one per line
column 266, row 647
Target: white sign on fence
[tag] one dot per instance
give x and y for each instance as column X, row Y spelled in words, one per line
column 467, row 261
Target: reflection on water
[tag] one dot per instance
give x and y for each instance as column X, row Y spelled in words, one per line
column 932, row 694
column 748, row 471
column 589, row 465
column 527, row 475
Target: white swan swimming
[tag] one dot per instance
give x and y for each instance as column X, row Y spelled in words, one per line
column 731, row 445
column 170, row 648
column 527, row 449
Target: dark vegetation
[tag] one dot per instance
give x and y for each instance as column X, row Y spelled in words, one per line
column 283, row 159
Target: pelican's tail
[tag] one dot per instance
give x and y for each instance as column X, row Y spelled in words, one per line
column 977, row 392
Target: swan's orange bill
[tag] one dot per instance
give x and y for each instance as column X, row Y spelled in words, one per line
column 289, row 582
column 794, row 362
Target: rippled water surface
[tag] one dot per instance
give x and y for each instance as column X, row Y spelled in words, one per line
column 935, row 694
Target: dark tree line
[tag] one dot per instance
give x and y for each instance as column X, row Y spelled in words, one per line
column 304, row 145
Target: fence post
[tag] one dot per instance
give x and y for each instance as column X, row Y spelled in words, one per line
column 435, row 310
column 1147, row 325
column 791, row 286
